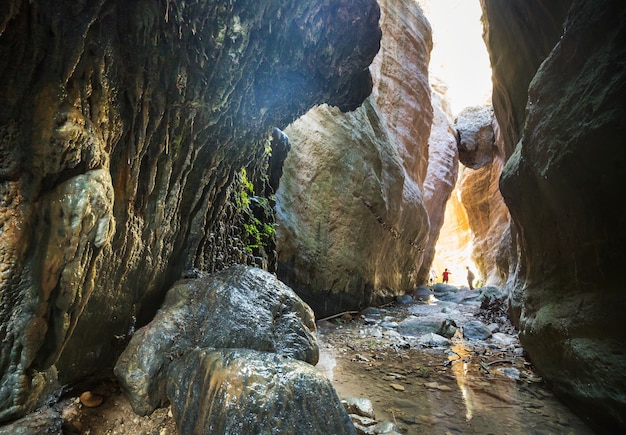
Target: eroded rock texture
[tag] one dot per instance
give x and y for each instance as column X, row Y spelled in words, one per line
column 401, row 88
column 124, row 127
column 441, row 177
column 352, row 224
column 519, row 36
column 561, row 186
column 250, row 392
column 238, row 307
column 481, row 150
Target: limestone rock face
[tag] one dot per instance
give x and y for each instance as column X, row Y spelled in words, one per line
column 238, row 307
column 561, row 186
column 352, row 226
column 441, row 178
column 481, row 149
column 250, row 392
column 401, row 88
column 123, row 130
column 350, row 222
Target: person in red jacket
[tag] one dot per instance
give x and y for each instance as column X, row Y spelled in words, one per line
column 446, row 274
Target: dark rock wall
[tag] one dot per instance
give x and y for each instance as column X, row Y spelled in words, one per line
column 124, row 127
column 519, row 35
column 562, row 186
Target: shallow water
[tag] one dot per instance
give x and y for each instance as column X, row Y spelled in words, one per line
column 477, row 387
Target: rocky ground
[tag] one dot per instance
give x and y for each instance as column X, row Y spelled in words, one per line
column 416, row 382
column 428, row 385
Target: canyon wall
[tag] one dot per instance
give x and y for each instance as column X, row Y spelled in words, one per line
column 561, row 185
column 352, row 225
column 124, row 131
column 441, row 178
column 481, row 151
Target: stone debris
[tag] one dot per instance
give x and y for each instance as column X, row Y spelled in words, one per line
column 359, row 406
column 91, row 400
column 397, row 387
column 361, row 413
column 437, row 386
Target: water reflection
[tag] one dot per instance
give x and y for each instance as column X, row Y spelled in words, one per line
column 469, row 387
column 458, row 358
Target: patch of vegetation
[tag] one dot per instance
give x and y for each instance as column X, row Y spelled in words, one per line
column 259, row 234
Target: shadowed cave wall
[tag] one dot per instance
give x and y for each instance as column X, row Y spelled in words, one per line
column 124, row 127
column 559, row 92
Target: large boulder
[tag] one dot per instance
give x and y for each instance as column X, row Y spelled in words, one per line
column 124, row 129
column 477, row 141
column 239, row 307
column 561, row 186
column 241, row 391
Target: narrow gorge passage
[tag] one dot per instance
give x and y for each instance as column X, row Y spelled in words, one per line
column 159, row 275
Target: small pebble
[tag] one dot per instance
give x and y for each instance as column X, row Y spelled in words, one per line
column 91, row 400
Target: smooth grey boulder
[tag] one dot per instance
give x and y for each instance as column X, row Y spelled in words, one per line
column 475, row 330
column 242, row 391
column 433, row 340
column 239, row 307
column 418, row 326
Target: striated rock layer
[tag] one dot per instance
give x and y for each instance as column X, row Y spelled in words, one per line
column 352, row 226
column 481, row 150
column 441, row 178
column 562, row 186
column 124, row 128
column 401, row 88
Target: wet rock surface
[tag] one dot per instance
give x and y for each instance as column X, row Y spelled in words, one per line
column 456, row 386
column 390, row 382
column 241, row 391
column 124, row 127
column 239, row 307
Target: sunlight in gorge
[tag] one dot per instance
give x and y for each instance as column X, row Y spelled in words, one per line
column 459, row 56
column 460, row 60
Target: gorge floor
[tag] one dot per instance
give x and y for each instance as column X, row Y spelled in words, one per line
column 467, row 387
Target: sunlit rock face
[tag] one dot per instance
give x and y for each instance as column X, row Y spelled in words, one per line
column 443, row 168
column 250, row 392
column 123, row 128
column 401, row 88
column 561, row 185
column 352, row 226
column 481, row 150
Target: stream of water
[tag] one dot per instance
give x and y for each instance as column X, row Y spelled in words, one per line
column 466, row 387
